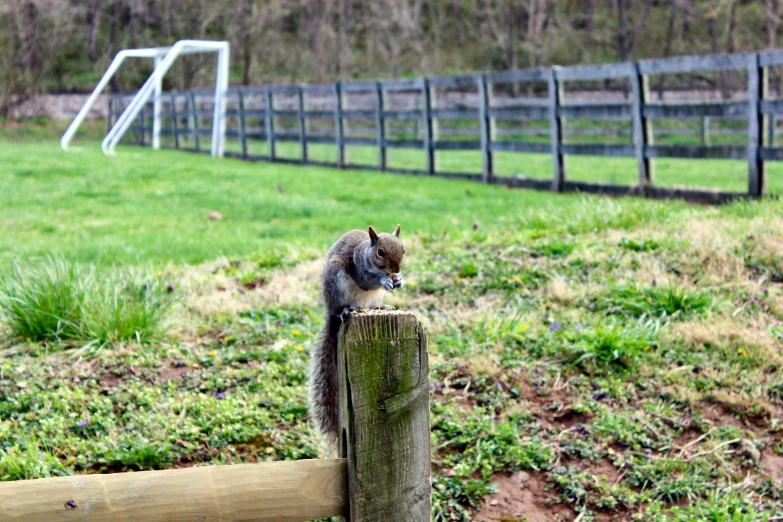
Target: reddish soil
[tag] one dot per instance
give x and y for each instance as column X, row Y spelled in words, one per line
column 521, row 495
column 256, row 283
column 772, row 465
column 172, row 372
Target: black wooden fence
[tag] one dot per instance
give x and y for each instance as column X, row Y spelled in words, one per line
column 253, row 115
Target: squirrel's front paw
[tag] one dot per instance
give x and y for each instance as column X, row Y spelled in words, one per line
column 397, row 280
column 348, row 310
column 387, row 283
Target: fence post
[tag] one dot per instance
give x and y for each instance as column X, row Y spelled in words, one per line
column 380, row 125
column 773, row 129
column 269, row 123
column 758, row 85
column 338, row 124
column 556, row 130
column 195, row 128
column 429, row 127
column 242, row 129
column 109, row 114
column 705, row 131
column 142, row 126
column 174, row 122
column 487, row 128
column 302, row 126
column 384, row 417
column 642, row 129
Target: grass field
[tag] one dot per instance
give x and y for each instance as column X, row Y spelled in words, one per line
column 614, row 359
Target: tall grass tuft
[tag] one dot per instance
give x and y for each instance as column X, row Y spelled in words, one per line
column 42, row 302
column 56, row 301
column 670, row 301
column 124, row 305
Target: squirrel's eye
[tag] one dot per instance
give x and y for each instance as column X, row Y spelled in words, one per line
column 380, row 253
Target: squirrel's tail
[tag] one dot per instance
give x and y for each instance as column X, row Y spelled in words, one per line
column 323, row 379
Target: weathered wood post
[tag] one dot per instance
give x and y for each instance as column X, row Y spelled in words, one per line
column 758, row 87
column 380, row 125
column 555, row 89
column 174, row 118
column 269, row 125
column 430, row 126
column 642, row 129
column 109, row 114
column 705, row 131
column 384, row 418
column 194, row 119
column 301, row 117
column 339, row 124
column 487, row 128
column 242, row 123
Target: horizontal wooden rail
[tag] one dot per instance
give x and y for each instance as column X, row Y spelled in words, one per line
column 480, row 108
column 294, row 491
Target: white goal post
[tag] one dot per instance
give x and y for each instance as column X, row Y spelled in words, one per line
column 164, row 58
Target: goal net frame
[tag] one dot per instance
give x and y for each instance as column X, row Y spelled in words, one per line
column 164, row 58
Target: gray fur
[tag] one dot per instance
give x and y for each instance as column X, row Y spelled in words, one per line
column 355, row 276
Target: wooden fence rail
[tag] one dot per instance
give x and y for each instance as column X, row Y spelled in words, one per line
column 384, row 472
column 374, row 121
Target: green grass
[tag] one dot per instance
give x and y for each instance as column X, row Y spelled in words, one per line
column 155, row 207
column 622, row 354
column 56, row 301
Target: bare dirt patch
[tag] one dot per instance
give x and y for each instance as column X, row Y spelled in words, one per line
column 772, row 464
column 522, row 494
column 174, row 371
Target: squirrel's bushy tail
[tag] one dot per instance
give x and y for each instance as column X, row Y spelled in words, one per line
column 323, row 379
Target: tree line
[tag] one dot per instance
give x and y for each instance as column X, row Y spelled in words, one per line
column 65, row 45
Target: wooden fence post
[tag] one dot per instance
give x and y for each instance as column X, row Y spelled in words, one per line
column 269, row 123
column 556, row 130
column 302, row 126
column 380, row 125
column 142, row 124
column 174, row 118
column 242, row 127
column 338, row 124
column 758, row 85
column 642, row 129
column 773, row 129
column 109, row 114
column 487, row 130
column 705, row 131
column 384, row 418
column 194, row 116
column 429, row 127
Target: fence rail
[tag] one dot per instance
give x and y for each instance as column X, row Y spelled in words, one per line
column 383, row 472
column 319, row 114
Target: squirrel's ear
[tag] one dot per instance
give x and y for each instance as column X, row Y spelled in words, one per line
column 373, row 236
column 397, row 232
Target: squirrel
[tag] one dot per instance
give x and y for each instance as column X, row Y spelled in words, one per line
column 359, row 269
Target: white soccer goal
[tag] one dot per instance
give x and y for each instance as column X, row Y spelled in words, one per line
column 164, row 58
